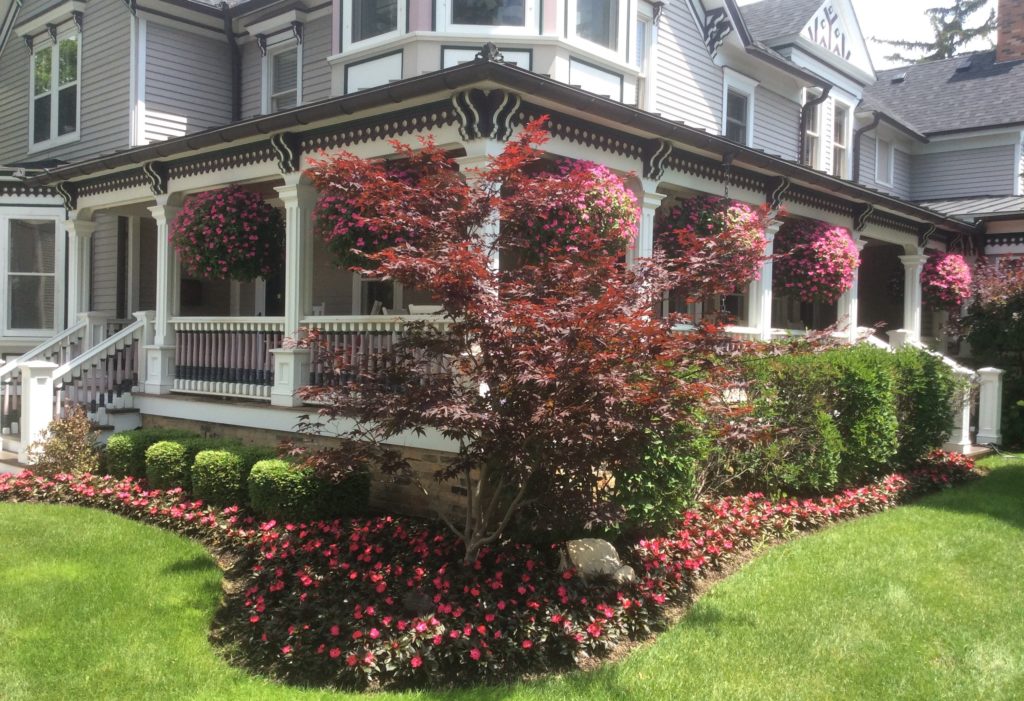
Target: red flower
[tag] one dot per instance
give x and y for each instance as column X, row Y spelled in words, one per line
column 474, row 654
column 416, row 662
column 335, row 653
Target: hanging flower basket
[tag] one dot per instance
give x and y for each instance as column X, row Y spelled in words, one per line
column 716, row 244
column 591, row 210
column 228, row 234
column 946, row 280
column 816, row 262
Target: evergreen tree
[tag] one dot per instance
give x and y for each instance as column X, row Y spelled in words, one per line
column 952, row 33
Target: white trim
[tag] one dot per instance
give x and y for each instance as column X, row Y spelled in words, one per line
column 847, row 140
column 276, row 23
column 890, row 177
column 54, row 94
column 348, row 44
column 1018, row 159
column 59, row 258
column 58, row 15
column 743, row 85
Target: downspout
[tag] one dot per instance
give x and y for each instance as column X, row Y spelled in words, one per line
column 805, row 116
column 235, row 64
column 856, row 143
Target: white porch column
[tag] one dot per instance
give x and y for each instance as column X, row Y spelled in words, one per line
column 478, row 154
column 848, row 302
column 160, row 355
column 990, row 406
column 36, row 402
column 761, row 289
column 291, row 365
column 79, row 287
column 912, row 265
column 960, row 435
column 650, row 200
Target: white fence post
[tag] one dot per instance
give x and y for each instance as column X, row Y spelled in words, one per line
column 36, row 402
column 960, row 435
column 990, row 406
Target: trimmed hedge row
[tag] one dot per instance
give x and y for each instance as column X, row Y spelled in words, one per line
column 224, row 472
column 846, row 415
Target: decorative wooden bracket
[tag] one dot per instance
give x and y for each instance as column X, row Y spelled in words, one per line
column 654, row 153
column 287, row 147
column 775, row 190
column 485, row 114
column 861, row 212
column 156, row 174
column 68, row 193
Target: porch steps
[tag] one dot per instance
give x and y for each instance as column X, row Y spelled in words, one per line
column 117, row 420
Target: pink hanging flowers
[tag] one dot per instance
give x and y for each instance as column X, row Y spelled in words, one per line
column 946, row 280
column 815, row 261
column 230, row 233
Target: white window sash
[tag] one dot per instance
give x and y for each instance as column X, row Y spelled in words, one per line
column 741, row 85
column 348, row 28
column 6, row 275
column 41, row 43
column 887, row 177
column 267, row 89
column 626, row 28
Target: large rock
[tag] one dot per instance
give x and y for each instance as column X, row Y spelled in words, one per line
column 594, row 558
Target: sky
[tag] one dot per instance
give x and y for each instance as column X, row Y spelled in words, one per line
column 899, row 19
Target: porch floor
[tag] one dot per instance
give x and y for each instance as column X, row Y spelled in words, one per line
column 9, row 463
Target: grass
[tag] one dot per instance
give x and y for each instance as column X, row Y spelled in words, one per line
column 923, row 602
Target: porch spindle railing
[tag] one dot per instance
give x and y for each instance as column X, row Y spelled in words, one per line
column 227, row 357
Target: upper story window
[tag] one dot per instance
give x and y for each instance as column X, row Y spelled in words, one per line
column 363, row 20
column 812, row 135
column 505, row 13
column 738, row 108
column 282, row 73
column 840, row 141
column 598, row 21
column 55, row 88
column 885, row 158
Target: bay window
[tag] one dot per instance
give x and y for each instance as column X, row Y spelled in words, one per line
column 55, row 89
column 372, row 18
column 598, row 21
column 30, row 257
column 494, row 13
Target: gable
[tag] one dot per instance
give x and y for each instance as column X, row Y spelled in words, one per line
column 834, row 29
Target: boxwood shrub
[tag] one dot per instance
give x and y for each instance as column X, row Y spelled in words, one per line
column 926, row 395
column 169, row 463
column 278, row 489
column 221, row 476
column 126, row 451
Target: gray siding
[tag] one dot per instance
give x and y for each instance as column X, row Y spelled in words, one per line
column 252, row 78
column 187, row 81
column 104, row 265
column 776, row 123
column 866, row 176
column 316, row 72
column 901, row 181
column 105, row 101
column 901, row 170
column 689, row 84
column 971, row 173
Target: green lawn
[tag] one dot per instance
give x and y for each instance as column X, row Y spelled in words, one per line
column 924, row 602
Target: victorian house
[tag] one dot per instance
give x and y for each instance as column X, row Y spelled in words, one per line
column 114, row 111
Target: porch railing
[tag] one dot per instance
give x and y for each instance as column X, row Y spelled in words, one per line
column 227, row 357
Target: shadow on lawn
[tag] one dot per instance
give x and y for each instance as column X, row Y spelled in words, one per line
column 998, row 495
column 199, row 563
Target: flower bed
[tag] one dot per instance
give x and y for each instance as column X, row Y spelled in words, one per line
column 382, row 602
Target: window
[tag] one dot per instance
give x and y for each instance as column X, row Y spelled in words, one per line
column 840, row 148
column 282, row 76
column 812, row 135
column 736, row 126
column 884, row 162
column 643, row 40
column 31, row 265
column 508, row 13
column 54, row 103
column 598, row 21
column 371, row 18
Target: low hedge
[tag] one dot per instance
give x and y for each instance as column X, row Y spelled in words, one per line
column 126, row 451
column 221, row 476
column 169, row 463
column 926, row 394
column 280, row 490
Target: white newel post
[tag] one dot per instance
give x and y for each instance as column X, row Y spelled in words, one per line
column 95, row 327
column 899, row 338
column 960, row 435
column 291, row 365
column 761, row 289
column 990, row 406
column 650, row 200
column 912, row 266
column 146, row 317
column 160, row 354
column 79, row 264
column 36, row 403
column 849, row 307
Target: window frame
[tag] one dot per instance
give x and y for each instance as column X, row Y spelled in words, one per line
column 347, row 28
column 64, row 31
column 837, row 106
column 626, row 28
column 891, row 175
column 59, row 254
column 444, row 23
column 747, row 87
column 267, row 94
column 812, row 159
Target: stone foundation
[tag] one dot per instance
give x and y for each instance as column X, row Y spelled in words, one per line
column 388, row 493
